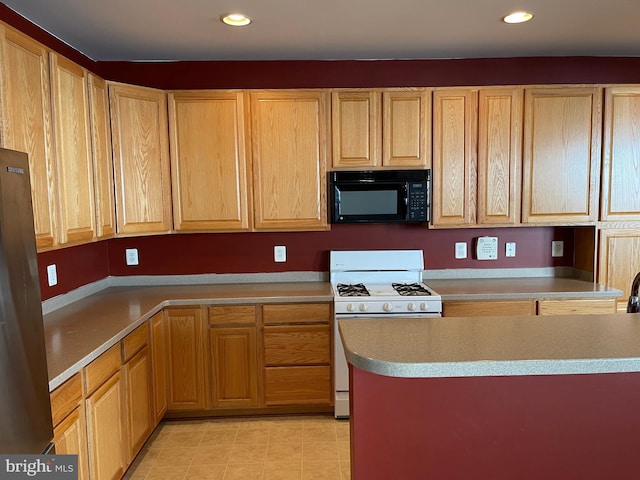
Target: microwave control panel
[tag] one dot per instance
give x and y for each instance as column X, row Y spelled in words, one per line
column 417, row 201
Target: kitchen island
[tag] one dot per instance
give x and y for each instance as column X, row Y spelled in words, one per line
column 494, row 397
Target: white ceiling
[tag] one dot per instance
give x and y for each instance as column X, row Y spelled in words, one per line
column 336, row 29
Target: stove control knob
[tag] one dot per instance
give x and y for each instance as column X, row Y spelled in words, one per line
column 387, row 307
column 411, row 307
column 350, row 308
column 363, row 307
column 423, row 306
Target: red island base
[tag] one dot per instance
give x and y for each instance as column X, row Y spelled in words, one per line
column 565, row 427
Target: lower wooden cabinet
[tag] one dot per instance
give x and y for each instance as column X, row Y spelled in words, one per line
column 158, row 366
column 139, row 414
column 297, row 385
column 571, row 306
column 488, row 308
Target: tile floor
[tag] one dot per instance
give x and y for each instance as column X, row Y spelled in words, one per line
column 264, row 448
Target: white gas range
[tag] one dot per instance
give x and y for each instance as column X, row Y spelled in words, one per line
column 375, row 284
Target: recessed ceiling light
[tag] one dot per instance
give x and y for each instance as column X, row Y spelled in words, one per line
column 236, row 19
column 517, row 17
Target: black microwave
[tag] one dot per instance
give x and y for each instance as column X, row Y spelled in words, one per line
column 379, row 196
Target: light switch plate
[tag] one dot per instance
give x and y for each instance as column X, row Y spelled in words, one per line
column 461, row 249
column 487, row 248
column 510, row 249
column 557, row 248
column 280, row 253
column 52, row 275
column 132, row 256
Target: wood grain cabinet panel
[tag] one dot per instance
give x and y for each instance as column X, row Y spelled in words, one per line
column 620, row 199
column 72, row 145
column 102, row 158
column 139, row 414
column 209, row 162
column 140, row 136
column 488, row 308
column 185, row 354
column 158, row 366
column 289, row 140
column 619, row 260
column 301, row 385
column 561, row 154
column 574, row 306
column 26, row 123
column 296, row 313
column 70, row 438
column 297, row 345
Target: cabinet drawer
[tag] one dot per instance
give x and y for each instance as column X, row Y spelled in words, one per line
column 297, row 345
column 101, row 369
column 297, row 313
column 488, row 308
column 576, row 306
column 135, row 341
column 297, row 385
column 236, row 314
column 66, row 398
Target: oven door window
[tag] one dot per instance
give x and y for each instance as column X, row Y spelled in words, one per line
column 365, row 203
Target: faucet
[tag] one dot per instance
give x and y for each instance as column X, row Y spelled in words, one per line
column 633, row 306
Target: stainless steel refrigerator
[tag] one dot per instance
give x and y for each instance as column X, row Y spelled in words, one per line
column 25, row 411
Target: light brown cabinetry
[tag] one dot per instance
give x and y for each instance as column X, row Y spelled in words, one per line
column 576, row 306
column 102, row 158
column 620, row 200
column 139, row 129
column 70, row 432
column 488, row 308
column 619, row 260
column 209, row 166
column 138, row 389
column 476, row 156
column 289, row 144
column 185, row 355
column 72, row 146
column 26, row 122
column 106, row 426
column 297, row 354
column 233, row 352
column 381, row 128
column 158, row 365
column 561, row 154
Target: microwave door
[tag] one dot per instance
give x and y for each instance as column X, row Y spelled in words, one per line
column 366, row 203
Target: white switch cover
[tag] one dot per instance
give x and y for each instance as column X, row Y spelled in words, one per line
column 557, row 248
column 461, row 249
column 280, row 253
column 52, row 275
column 510, row 249
column 132, row 256
column 487, row 248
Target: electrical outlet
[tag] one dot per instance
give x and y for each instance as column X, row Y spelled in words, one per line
column 280, row 253
column 510, row 249
column 132, row 256
column 52, row 275
column 557, row 248
column 461, row 249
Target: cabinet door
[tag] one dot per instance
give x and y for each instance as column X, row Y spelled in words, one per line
column 621, row 155
column 137, row 374
column 234, row 366
column 289, row 145
column 619, row 260
column 406, row 128
column 299, row 385
column 499, row 156
column 577, row 306
column 106, row 430
column 561, row 156
column 70, row 106
column 356, row 128
column 455, row 113
column 102, row 158
column 488, row 308
column 297, row 344
column 70, row 438
column 140, row 136
column 186, row 389
column 26, row 122
column 208, row 160
column 158, row 366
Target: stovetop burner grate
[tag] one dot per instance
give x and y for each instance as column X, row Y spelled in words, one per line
column 410, row 289
column 352, row 290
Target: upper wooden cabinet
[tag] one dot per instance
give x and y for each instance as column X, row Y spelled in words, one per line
column 619, row 260
column 140, row 135
column 381, row 128
column 289, row 141
column 620, row 199
column 477, row 156
column 26, row 122
column 102, row 158
column 208, row 160
column 561, row 154
column 72, row 142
